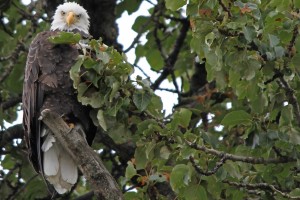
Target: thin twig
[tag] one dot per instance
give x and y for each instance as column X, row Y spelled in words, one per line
column 158, row 43
column 175, row 84
column 143, row 72
column 167, row 89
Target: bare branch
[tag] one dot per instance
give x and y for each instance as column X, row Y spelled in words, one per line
column 261, row 186
column 235, row 158
column 210, row 172
column 103, row 184
column 168, row 90
column 172, row 58
column 143, row 72
column 11, row 102
column 13, row 132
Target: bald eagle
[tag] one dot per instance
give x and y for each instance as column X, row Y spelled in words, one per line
column 47, row 85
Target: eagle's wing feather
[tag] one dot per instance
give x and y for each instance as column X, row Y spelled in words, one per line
column 32, row 99
column 40, row 71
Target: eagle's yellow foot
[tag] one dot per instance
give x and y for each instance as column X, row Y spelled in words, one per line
column 71, row 125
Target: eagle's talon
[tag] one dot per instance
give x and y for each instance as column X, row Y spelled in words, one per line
column 71, row 125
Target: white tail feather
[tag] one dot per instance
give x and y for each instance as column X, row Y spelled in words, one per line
column 59, row 167
column 68, row 169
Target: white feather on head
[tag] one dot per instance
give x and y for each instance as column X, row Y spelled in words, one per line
column 81, row 21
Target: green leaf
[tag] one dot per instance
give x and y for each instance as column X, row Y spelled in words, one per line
column 236, row 118
column 65, row 38
column 259, row 103
column 127, row 5
column 149, row 150
column 142, row 100
column 165, row 152
column 101, row 120
column 232, row 169
column 297, row 4
column 8, row 162
column 154, row 59
column 140, row 157
column 180, row 177
column 249, row 33
column 104, row 56
column 175, row 4
column 286, row 115
column 36, row 190
column 140, row 21
column 182, row 117
column 74, row 72
column 115, row 88
column 195, row 192
column 155, row 107
column 274, row 40
column 130, row 170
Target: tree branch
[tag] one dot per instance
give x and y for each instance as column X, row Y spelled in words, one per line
column 235, row 158
column 13, row 132
column 261, row 186
column 103, row 184
column 10, row 102
column 210, row 172
column 172, row 58
column 225, row 8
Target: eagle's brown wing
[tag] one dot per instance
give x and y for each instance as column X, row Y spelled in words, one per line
column 39, row 65
column 32, row 99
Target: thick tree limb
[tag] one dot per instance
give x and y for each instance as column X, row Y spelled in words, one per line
column 103, row 184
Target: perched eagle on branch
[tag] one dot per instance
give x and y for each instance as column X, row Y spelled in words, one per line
column 47, row 85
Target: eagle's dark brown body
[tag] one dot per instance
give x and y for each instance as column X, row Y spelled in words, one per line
column 47, row 85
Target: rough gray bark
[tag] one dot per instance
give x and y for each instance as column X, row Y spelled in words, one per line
column 103, row 184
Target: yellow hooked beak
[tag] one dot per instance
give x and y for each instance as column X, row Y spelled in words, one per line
column 70, row 18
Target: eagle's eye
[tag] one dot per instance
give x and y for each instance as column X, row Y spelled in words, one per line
column 78, row 16
column 62, row 13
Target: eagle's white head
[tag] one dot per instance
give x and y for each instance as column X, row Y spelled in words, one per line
column 70, row 16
